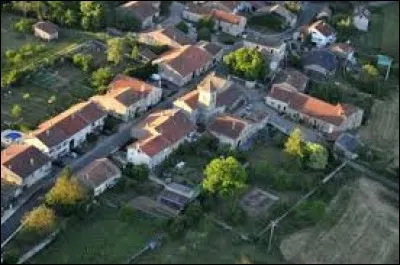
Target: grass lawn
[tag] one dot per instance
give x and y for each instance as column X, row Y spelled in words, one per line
column 101, row 238
column 64, row 85
column 383, row 32
column 209, row 244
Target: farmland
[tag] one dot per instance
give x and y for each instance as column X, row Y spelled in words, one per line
column 366, row 231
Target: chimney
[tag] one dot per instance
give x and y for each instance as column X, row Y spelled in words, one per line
column 32, row 161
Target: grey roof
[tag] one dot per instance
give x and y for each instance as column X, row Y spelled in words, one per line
column 323, row 58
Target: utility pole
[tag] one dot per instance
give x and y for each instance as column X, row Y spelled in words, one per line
column 273, row 224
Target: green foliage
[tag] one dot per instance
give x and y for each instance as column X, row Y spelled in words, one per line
column 193, row 213
column 40, row 220
column 205, row 22
column 369, row 73
column 135, row 53
column 11, row 256
column 70, row 18
column 126, row 21
column 344, row 26
column 115, row 50
column 93, row 15
column 247, row 63
column 142, row 71
column 164, row 8
column 293, row 145
column 159, row 49
column 100, row 79
column 270, row 21
column 10, row 78
column 226, row 38
column 182, row 27
column 83, row 61
column 224, row 176
column 204, row 34
column 67, row 191
column 293, row 6
column 176, row 227
column 23, row 25
column 138, row 172
column 110, row 124
column 127, row 214
column 317, row 156
column 16, row 111
column 233, row 213
column 310, row 212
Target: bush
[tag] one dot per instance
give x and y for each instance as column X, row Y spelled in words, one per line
column 138, row 172
column 142, row 71
column 226, row 38
column 91, row 138
column 23, row 25
column 182, row 27
column 246, row 63
column 176, row 227
column 41, row 220
column 100, row 79
column 234, row 214
column 293, row 6
column 83, row 61
column 204, row 34
column 127, row 214
column 159, row 49
column 110, row 124
column 207, row 23
column 11, row 256
column 193, row 213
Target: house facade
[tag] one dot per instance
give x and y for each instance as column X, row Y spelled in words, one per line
column 168, row 36
column 228, row 22
column 319, row 114
column 145, row 11
column 181, row 65
column 159, row 135
column 361, row 17
column 322, row 34
column 45, row 30
column 99, row 175
column 24, row 165
column 58, row 136
column 127, row 97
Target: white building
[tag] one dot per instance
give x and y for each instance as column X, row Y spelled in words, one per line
column 319, row 114
column 159, row 135
column 322, row 33
column 99, row 175
column 57, row 136
column 45, row 30
column 127, row 97
column 24, row 165
column 361, row 17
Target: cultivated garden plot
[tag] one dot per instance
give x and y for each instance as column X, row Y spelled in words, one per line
column 257, row 201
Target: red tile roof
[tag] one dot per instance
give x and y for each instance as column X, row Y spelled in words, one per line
column 23, row 159
column 334, row 114
column 323, row 27
column 191, row 99
column 228, row 126
column 141, row 9
column 225, row 16
column 98, row 172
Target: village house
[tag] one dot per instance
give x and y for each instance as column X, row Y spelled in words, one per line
column 212, row 48
column 145, row 11
column 344, row 52
column 127, row 97
column 46, row 30
column 322, row 33
column 214, row 95
column 228, row 22
column 228, row 6
column 319, row 114
column 292, row 77
column 170, row 36
column 194, row 12
column 361, row 17
column 24, row 165
column 99, row 175
column 181, row 65
column 281, row 11
column 59, row 135
column 234, row 131
column 320, row 64
column 159, row 135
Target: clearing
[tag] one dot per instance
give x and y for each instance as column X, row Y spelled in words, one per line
column 382, row 130
column 100, row 238
column 367, row 231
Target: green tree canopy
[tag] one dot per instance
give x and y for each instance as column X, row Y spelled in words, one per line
column 224, row 176
column 182, row 26
column 83, row 61
column 100, row 79
column 40, row 220
column 204, row 34
column 135, row 53
column 138, row 172
column 23, row 25
column 317, row 156
column 93, row 14
column 293, row 6
column 66, row 191
column 293, row 145
column 369, row 73
column 16, row 110
column 115, row 50
column 205, row 22
column 247, row 63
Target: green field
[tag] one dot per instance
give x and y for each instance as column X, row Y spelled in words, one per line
column 383, row 32
column 63, row 86
column 100, row 238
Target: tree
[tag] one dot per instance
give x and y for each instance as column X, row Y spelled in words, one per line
column 317, row 156
column 100, row 79
column 204, row 34
column 40, row 220
column 224, row 176
column 247, row 63
column 23, row 25
column 138, row 172
column 293, row 6
column 127, row 21
column 193, row 213
column 115, row 50
column 205, row 22
column 93, row 14
column 343, row 25
column 67, row 191
column 182, row 27
column 83, row 61
column 135, row 53
column 293, row 145
column 16, row 111
column 70, row 18
column 369, row 73
column 10, row 78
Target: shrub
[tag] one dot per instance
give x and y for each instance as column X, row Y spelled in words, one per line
column 293, row 6
column 127, row 214
column 142, row 71
column 40, row 220
column 159, row 49
column 193, row 213
column 100, row 79
column 310, row 212
column 246, row 63
column 182, row 27
column 207, row 23
column 83, row 61
column 16, row 111
column 138, row 172
column 23, row 25
column 204, row 34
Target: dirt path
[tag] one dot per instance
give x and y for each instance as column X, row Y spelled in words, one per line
column 366, row 232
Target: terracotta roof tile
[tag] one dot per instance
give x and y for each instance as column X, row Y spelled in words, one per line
column 98, row 172
column 141, row 9
column 229, row 126
column 323, row 27
column 225, row 16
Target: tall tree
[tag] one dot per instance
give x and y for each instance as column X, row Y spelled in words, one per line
column 135, row 53
column 293, row 144
column 247, row 63
column 115, row 50
column 93, row 14
column 224, row 176
column 66, row 191
column 100, row 79
column 40, row 220
column 70, row 18
column 16, row 111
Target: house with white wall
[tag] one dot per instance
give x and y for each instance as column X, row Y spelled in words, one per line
column 46, row 30
column 322, row 34
column 361, row 17
column 127, row 97
column 99, row 175
column 159, row 134
column 318, row 114
column 229, row 23
column 59, row 135
column 24, row 165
